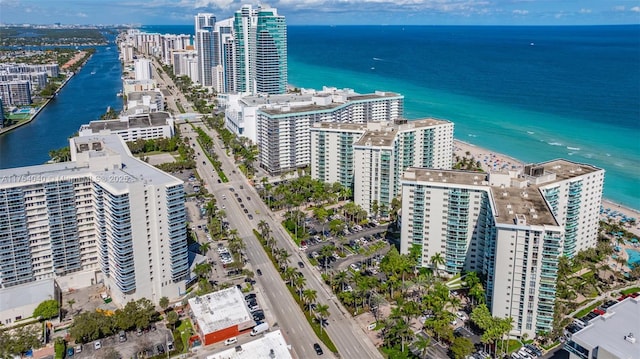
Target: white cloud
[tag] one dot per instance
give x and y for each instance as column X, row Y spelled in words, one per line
column 81, row 14
column 635, row 9
column 520, row 12
column 585, row 11
column 219, row 4
column 619, row 8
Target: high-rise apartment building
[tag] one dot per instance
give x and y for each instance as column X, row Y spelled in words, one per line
column 104, row 217
column 16, row 93
column 143, row 69
column 281, row 124
column 502, row 225
column 260, row 50
column 370, row 158
column 205, row 43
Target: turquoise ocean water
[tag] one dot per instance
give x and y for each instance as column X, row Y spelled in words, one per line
column 534, row 93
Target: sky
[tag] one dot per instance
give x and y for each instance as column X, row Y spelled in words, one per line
column 329, row 12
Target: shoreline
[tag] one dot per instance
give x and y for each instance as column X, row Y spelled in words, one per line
column 62, row 85
column 491, row 160
column 33, row 117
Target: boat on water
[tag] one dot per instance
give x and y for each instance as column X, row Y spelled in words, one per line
column 93, row 72
column 119, row 94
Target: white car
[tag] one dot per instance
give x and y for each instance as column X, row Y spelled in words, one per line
column 97, row 345
column 230, row 341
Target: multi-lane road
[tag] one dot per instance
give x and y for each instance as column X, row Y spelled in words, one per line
column 345, row 333
column 343, row 330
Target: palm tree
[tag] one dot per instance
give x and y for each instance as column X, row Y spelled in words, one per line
column 436, row 261
column 264, row 229
column 422, row 344
column 299, row 282
column 340, row 279
column 322, row 311
column 309, row 296
column 202, row 269
column 283, row 257
column 204, row 248
column 290, row 274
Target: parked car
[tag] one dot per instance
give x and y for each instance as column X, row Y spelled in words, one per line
column 97, row 345
column 230, row 341
column 122, row 336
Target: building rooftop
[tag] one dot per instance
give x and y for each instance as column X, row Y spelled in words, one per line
column 271, row 345
column 220, row 310
column 372, row 96
column 141, row 120
column 26, row 294
column 610, row 331
column 106, row 158
column 138, row 95
column 380, row 138
column 311, row 100
column 383, row 136
column 525, row 202
column 564, row 169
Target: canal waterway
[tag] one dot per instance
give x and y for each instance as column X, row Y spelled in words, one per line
column 84, row 98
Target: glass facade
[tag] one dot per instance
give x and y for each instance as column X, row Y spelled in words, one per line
column 63, row 226
column 457, row 224
column 177, row 218
column 15, row 252
column 271, row 53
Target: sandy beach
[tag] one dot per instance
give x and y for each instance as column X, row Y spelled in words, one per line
column 493, row 161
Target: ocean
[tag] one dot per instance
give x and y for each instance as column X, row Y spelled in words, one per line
column 534, row 93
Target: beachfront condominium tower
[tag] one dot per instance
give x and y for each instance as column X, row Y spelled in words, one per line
column 370, row 158
column 280, row 124
column 574, row 198
column 205, row 46
column 105, row 217
column 501, row 225
column 260, row 50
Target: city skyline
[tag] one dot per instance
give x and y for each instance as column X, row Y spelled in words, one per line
column 328, row 12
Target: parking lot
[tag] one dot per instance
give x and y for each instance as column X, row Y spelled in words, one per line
column 147, row 342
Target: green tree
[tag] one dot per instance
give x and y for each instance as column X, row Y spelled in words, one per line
column 309, row 296
column 164, row 303
column 461, row 347
column 204, row 248
column 322, row 312
column 172, row 318
column 437, row 260
column 47, row 309
column 422, row 344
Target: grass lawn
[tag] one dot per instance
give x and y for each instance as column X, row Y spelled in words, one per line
column 630, row 290
column 513, row 345
column 186, row 331
column 588, row 309
column 550, row 346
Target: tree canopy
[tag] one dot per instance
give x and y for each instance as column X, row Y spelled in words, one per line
column 47, row 309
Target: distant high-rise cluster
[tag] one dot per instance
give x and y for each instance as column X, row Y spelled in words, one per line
column 244, row 54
